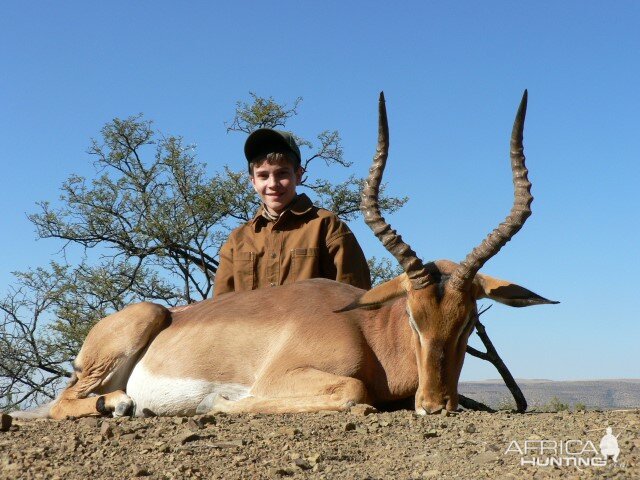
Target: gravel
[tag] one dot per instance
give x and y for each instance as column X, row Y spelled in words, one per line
column 361, row 444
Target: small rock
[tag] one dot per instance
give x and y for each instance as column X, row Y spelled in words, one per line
column 362, row 409
column 471, row 428
column 179, row 420
column 186, row 437
column 302, row 464
column 129, row 437
column 164, row 447
column 281, row 472
column 349, row 426
column 193, row 425
column 315, row 458
column 106, row 430
column 75, row 441
column 444, row 412
column 432, row 433
column 91, row 422
column 5, row 422
column 139, row 471
column 204, row 420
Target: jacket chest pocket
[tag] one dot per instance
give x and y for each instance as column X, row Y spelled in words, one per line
column 244, row 271
column 305, row 263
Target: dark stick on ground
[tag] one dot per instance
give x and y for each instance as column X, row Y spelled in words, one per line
column 491, row 355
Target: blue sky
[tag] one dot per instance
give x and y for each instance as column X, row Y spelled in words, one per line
column 453, row 74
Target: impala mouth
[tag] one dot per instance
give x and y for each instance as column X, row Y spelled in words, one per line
column 423, row 412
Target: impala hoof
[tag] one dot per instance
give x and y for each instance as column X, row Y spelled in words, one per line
column 210, row 403
column 124, row 408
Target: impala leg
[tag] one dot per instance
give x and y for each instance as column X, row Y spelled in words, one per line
column 106, row 360
column 74, row 402
column 302, row 390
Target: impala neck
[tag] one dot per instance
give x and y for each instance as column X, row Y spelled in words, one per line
column 389, row 335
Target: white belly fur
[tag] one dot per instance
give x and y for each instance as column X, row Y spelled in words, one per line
column 165, row 395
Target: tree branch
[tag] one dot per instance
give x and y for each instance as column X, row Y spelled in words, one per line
column 492, row 356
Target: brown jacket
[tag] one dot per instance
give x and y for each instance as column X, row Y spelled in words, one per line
column 305, row 242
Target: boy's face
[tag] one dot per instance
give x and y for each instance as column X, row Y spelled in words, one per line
column 276, row 183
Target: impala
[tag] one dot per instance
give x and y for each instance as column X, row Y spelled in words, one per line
column 306, row 346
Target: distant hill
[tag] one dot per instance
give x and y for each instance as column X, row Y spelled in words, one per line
column 595, row 394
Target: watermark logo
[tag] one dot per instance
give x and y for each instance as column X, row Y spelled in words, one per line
column 609, row 445
column 567, row 452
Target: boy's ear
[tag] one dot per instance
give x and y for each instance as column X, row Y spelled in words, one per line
column 299, row 174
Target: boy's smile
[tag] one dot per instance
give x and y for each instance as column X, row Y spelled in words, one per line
column 276, row 184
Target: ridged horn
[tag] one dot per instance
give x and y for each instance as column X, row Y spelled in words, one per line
column 461, row 279
column 411, row 264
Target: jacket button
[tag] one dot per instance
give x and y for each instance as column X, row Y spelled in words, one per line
column 272, row 284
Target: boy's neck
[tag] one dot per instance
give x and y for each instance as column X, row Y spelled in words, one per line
column 273, row 216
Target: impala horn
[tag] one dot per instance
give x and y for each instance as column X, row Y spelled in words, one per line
column 419, row 275
column 463, row 276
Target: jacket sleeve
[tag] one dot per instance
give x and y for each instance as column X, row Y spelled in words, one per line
column 348, row 260
column 223, row 281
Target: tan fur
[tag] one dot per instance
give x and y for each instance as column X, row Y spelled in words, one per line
column 297, row 347
column 107, row 357
column 386, row 292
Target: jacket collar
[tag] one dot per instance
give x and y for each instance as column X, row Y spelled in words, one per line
column 300, row 205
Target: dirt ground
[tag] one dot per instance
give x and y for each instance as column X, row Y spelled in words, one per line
column 352, row 445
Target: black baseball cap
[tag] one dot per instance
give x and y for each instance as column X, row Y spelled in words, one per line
column 267, row 140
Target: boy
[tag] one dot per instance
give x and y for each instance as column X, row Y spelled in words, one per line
column 289, row 239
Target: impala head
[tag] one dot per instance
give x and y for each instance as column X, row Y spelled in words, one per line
column 441, row 295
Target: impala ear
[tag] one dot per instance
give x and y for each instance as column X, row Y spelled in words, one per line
column 506, row 292
column 381, row 294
